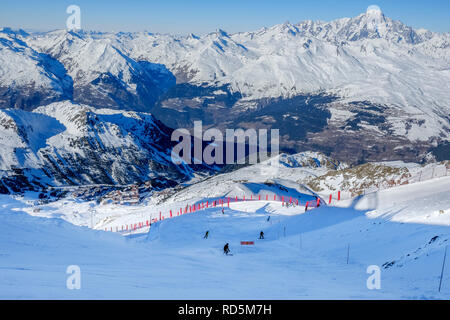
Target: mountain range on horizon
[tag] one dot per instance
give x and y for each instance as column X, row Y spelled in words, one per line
column 358, row 89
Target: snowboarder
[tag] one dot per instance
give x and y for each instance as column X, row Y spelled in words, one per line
column 206, row 235
column 226, row 249
column 261, row 235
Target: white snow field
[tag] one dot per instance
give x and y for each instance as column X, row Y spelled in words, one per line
column 403, row 230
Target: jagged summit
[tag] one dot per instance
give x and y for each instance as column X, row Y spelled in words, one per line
column 374, row 11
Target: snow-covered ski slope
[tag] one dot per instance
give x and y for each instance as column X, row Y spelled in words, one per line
column 403, row 230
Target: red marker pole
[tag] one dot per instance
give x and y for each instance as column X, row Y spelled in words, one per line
column 339, row 195
column 329, row 202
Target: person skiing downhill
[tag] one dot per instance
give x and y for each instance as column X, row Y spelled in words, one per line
column 206, row 235
column 261, row 235
column 226, row 249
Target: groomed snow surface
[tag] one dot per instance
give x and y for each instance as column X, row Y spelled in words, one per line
column 303, row 255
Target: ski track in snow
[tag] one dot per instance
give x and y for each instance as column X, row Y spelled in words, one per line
column 303, row 256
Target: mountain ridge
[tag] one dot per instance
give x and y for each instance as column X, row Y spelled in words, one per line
column 370, row 79
column 64, row 144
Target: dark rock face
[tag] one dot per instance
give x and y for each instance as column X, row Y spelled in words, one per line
column 147, row 155
column 99, row 148
column 18, row 180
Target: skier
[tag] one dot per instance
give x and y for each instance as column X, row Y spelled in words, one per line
column 261, row 235
column 223, row 211
column 206, row 235
column 226, row 249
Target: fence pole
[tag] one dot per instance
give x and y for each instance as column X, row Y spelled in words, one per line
column 443, row 266
column 348, row 252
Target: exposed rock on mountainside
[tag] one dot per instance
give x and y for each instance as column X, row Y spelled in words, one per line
column 378, row 175
column 71, row 144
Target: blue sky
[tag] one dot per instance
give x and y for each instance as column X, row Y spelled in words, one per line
column 203, row 16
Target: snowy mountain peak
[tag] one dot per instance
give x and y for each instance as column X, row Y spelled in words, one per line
column 375, row 19
column 374, row 11
column 222, row 33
